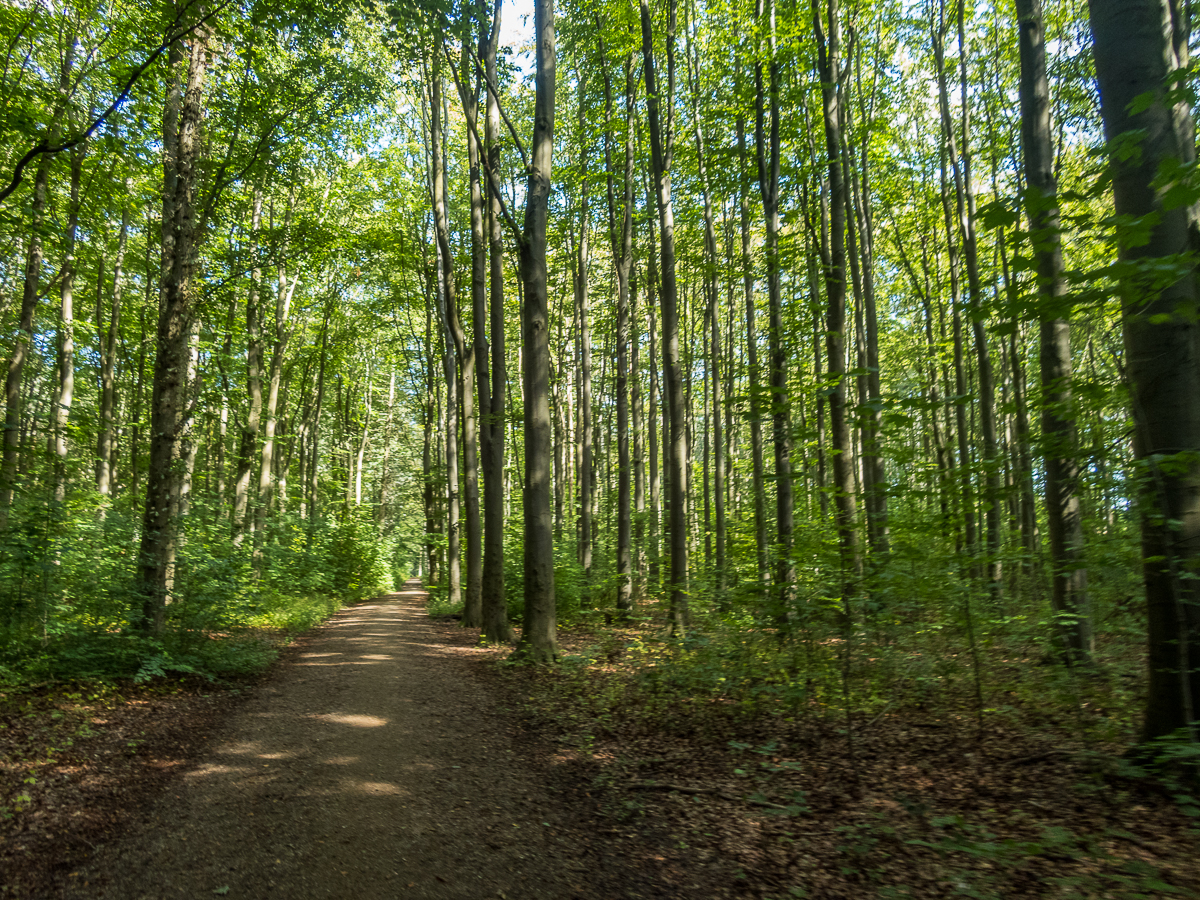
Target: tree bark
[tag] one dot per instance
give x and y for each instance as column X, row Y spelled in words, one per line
column 621, row 237
column 1064, row 517
column 177, row 296
column 539, row 636
column 753, row 378
column 766, row 139
column 106, row 441
column 248, row 451
column 455, row 340
column 473, row 355
column 1135, row 51
column 829, row 66
column 495, row 608
column 65, row 394
column 660, row 161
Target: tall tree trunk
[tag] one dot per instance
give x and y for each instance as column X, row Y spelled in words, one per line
column 960, row 165
column 248, row 451
column 587, row 465
column 539, row 636
column 455, row 339
column 1063, row 513
column 714, row 446
column 65, row 393
column 428, row 455
column 107, row 439
column 1137, row 45
column 181, row 153
column 655, row 399
column 621, row 237
column 829, row 67
column 314, row 455
column 280, row 333
column 471, row 355
column 660, row 161
column 639, row 441
column 495, row 607
column 766, row 140
column 753, row 378
column 875, row 498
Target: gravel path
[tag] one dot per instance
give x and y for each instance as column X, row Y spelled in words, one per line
column 368, row 767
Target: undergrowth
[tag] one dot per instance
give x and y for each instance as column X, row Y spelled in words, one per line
column 942, row 773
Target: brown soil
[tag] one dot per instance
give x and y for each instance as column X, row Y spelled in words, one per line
column 387, row 755
column 370, row 765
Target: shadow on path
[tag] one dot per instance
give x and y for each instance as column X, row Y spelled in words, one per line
column 368, row 767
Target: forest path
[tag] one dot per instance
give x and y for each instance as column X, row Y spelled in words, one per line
column 369, row 766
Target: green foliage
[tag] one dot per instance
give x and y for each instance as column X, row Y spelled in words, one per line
column 68, row 610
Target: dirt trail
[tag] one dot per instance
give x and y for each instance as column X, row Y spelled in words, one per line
column 368, row 767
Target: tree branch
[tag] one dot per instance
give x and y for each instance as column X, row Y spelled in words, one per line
column 43, row 147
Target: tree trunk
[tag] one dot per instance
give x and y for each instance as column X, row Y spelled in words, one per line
column 714, row 441
column 66, row 335
column 960, row 164
column 285, row 289
column 455, row 339
column 754, row 384
column 539, row 636
column 660, row 160
column 1136, row 47
column 587, row 466
column 248, row 452
column 106, row 442
column 829, row 66
column 767, row 147
column 1063, row 514
column 470, row 356
column 495, row 608
column 177, row 296
column 621, row 237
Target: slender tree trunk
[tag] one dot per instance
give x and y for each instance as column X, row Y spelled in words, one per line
column 586, row 474
column 753, row 378
column 621, row 237
column 280, row 333
column 106, row 442
column 660, row 156
column 766, row 139
column 539, row 636
column 960, row 164
column 455, row 338
column 470, row 356
column 66, row 335
column 639, row 442
column 1063, row 513
column 314, row 454
column 829, row 66
column 714, row 442
column 656, row 511
column 248, row 452
column 495, row 608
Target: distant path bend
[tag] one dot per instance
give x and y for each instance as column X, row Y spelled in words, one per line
column 368, row 767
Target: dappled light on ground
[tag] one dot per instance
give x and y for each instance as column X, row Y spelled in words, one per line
column 369, row 763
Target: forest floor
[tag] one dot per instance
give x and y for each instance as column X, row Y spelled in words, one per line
column 386, row 755
column 371, row 762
